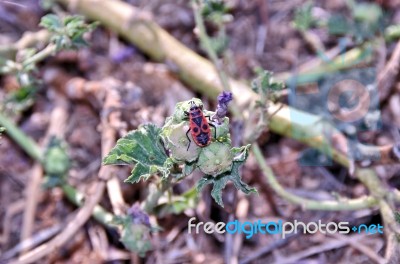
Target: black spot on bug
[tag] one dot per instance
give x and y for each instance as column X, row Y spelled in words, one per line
column 205, row 127
column 203, row 139
column 195, row 130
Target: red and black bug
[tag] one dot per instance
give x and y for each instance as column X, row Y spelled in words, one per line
column 199, row 126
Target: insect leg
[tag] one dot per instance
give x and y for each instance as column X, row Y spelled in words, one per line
column 212, row 125
column 215, row 130
column 187, row 132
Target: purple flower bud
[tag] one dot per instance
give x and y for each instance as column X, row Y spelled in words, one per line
column 222, row 108
column 138, row 216
column 224, row 98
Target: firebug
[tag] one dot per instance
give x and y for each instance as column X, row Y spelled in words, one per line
column 199, row 127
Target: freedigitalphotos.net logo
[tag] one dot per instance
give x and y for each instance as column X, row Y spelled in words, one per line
column 280, row 227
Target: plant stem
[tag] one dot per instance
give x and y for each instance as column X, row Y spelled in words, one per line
column 344, row 61
column 99, row 213
column 345, row 204
column 155, row 194
column 41, row 55
column 25, row 142
column 206, row 43
column 33, row 150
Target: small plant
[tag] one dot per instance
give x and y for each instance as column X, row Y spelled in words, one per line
column 216, row 12
column 65, row 33
column 166, row 152
column 303, row 18
column 267, row 89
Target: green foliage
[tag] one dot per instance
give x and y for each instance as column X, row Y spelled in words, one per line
column 217, row 160
column 215, row 11
column 67, row 32
column 219, row 182
column 265, row 85
column 303, row 19
column 56, row 163
column 135, row 236
column 21, row 99
column 143, row 148
column 219, row 43
column 177, row 204
column 265, row 82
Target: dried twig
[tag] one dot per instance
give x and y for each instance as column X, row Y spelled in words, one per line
column 387, row 77
column 269, row 248
column 363, row 249
column 31, row 198
column 85, row 212
column 329, row 245
column 110, row 121
column 12, row 209
column 70, row 230
column 242, row 210
column 109, row 98
column 58, row 121
column 31, row 242
column 87, row 209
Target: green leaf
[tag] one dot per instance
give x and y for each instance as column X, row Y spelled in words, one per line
column 215, row 11
column 241, row 154
column 264, row 83
column 67, row 32
column 143, row 148
column 219, row 182
column 203, row 182
column 51, row 22
column 219, row 43
column 188, row 168
column 303, row 18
